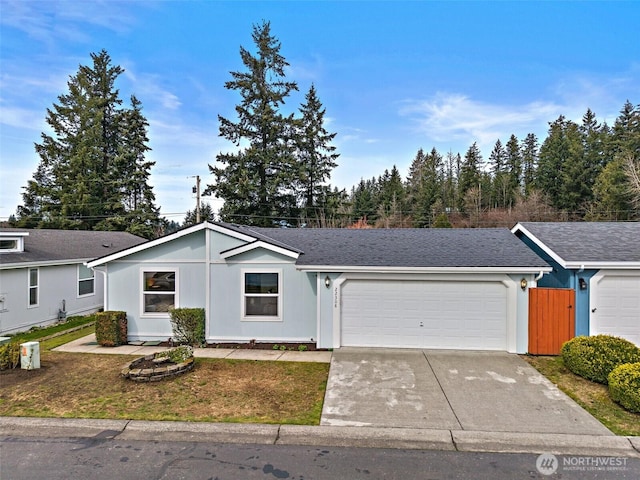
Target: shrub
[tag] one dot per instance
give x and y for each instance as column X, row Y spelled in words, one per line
column 9, row 355
column 178, row 354
column 624, row 386
column 111, row 328
column 188, row 325
column 595, row 357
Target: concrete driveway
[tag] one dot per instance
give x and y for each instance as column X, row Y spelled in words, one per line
column 451, row 390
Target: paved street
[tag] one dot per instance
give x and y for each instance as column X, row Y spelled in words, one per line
column 27, row 458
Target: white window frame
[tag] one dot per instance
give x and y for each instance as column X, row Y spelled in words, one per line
column 13, row 237
column 35, row 287
column 143, row 292
column 86, row 279
column 244, row 295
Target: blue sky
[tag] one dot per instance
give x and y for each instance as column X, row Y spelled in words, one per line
column 393, row 76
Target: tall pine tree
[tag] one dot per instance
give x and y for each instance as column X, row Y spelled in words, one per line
column 79, row 181
column 256, row 183
column 316, row 156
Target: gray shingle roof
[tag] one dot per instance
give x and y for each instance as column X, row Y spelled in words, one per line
column 44, row 245
column 424, row 247
column 590, row 241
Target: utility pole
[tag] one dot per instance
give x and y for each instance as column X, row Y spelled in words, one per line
column 196, row 190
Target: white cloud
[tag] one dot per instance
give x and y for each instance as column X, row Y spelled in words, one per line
column 53, row 20
column 456, row 117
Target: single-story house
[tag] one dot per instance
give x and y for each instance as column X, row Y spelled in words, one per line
column 601, row 262
column 415, row 288
column 43, row 277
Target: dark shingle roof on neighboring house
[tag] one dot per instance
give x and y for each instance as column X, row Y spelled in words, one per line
column 425, row 247
column 51, row 246
column 589, row 241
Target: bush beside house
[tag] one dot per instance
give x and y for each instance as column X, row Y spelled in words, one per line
column 594, row 358
column 111, row 328
column 188, row 325
column 9, row 355
column 624, row 386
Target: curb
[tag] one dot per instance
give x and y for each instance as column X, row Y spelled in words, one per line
column 328, row 436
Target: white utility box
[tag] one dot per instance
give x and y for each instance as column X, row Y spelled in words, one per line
column 30, row 355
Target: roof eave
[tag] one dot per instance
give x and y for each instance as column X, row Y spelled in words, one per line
column 390, row 269
column 521, row 228
column 575, row 265
column 258, row 244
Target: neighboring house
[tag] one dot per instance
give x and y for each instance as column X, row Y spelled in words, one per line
column 415, row 288
column 43, row 277
column 601, row 262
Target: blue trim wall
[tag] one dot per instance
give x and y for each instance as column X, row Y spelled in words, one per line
column 561, row 277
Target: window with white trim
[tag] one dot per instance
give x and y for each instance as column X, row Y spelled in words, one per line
column 34, row 280
column 86, row 281
column 158, row 291
column 261, row 295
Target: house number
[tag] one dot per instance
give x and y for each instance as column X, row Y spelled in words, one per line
column 335, row 297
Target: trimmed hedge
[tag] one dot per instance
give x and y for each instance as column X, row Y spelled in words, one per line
column 595, row 357
column 188, row 325
column 624, row 386
column 111, row 328
column 9, row 355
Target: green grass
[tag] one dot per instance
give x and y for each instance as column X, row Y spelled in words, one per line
column 591, row 396
column 38, row 333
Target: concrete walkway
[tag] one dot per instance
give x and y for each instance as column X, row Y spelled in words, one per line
column 88, row 344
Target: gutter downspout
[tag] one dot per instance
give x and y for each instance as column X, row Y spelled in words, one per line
column 539, row 276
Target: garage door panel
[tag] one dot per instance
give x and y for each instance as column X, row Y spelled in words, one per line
column 617, row 307
column 424, row 314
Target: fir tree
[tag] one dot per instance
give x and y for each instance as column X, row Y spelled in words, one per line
column 79, row 181
column 256, row 183
column 316, row 155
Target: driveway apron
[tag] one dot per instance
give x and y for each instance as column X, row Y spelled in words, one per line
column 385, row 388
column 447, row 389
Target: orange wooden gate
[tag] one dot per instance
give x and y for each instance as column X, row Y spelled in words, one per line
column 551, row 319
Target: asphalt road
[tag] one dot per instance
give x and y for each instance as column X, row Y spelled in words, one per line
column 23, row 458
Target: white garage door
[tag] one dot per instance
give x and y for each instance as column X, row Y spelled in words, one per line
column 424, row 314
column 617, row 306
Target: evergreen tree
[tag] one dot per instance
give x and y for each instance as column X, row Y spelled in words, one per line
column 257, row 182
column 497, row 164
column 529, row 162
column 79, row 181
column 612, row 195
column 316, row 156
column 513, row 167
column 470, row 174
column 135, row 198
column 561, row 166
column 206, row 215
column 424, row 186
column 364, row 205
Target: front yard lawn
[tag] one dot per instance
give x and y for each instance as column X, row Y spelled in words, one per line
column 591, row 396
column 217, row 390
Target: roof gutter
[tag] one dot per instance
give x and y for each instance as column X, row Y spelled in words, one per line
column 383, row 269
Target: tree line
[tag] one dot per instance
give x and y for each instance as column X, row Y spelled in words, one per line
column 93, row 172
column 581, row 171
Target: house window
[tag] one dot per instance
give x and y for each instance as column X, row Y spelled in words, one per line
column 34, row 275
column 85, row 281
column 261, row 295
column 158, row 291
column 9, row 244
